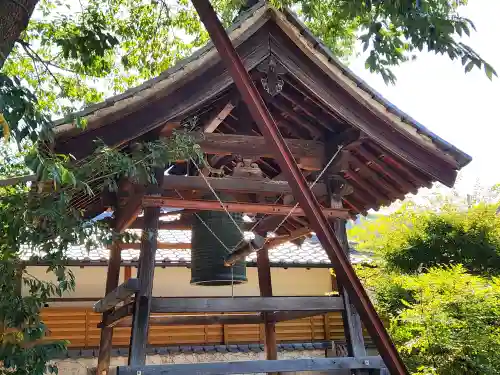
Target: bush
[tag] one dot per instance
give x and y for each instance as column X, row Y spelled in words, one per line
column 444, row 322
column 411, row 240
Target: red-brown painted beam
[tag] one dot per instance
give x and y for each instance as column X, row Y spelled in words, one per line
column 248, row 208
column 301, row 191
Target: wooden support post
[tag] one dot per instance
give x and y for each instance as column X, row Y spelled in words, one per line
column 112, row 281
column 266, row 290
column 145, row 274
column 352, row 322
column 353, row 329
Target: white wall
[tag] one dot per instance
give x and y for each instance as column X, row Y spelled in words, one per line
column 174, row 282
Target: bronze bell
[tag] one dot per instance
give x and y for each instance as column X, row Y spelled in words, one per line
column 207, row 252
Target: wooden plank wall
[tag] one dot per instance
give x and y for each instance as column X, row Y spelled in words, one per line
column 79, row 326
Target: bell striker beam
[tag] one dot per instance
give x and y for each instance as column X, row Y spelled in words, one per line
column 301, row 191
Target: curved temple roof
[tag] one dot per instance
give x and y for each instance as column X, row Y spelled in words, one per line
column 321, row 105
column 246, row 21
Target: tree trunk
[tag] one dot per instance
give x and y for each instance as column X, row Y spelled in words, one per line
column 14, row 18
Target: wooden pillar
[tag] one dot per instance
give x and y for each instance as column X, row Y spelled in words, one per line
column 112, row 281
column 353, row 329
column 145, row 274
column 266, row 290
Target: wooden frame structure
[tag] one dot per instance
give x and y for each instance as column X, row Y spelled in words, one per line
column 303, row 145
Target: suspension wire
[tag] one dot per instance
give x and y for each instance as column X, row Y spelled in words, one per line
column 205, row 224
column 312, row 185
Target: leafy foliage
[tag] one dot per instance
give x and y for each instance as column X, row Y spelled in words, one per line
column 434, row 279
column 410, row 239
column 444, row 321
column 45, row 221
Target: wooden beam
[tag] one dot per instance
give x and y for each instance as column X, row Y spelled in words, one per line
column 310, row 153
column 254, row 367
column 234, row 184
column 218, row 117
column 119, row 294
column 214, row 319
column 245, row 304
column 250, row 208
column 112, row 280
column 116, row 316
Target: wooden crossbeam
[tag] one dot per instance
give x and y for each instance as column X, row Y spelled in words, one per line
column 249, row 208
column 309, row 154
column 121, row 318
column 234, row 184
column 245, row 304
column 259, row 366
column 207, row 319
column 114, row 317
column 123, row 291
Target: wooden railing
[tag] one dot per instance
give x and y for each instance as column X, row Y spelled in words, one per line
column 79, row 326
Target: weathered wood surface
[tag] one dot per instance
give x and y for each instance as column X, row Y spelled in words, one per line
column 308, row 153
column 234, row 184
column 183, row 96
column 245, row 304
column 121, row 313
column 127, row 289
column 213, row 319
column 121, row 318
column 145, row 274
column 251, row 367
column 250, row 208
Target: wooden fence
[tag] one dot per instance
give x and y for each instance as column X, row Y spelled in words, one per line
column 79, row 326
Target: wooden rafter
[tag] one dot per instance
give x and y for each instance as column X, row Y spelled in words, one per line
column 218, row 117
column 386, row 170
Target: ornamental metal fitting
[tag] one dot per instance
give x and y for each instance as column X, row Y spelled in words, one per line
column 272, row 82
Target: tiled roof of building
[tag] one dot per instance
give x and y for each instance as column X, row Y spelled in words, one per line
column 310, row 253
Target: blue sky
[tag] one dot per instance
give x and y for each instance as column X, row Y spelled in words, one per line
column 462, row 108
